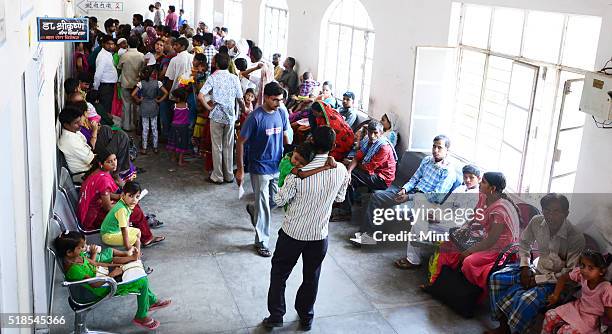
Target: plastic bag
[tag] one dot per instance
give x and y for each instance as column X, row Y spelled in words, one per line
column 240, row 191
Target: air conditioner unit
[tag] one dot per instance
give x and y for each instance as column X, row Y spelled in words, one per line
column 597, row 95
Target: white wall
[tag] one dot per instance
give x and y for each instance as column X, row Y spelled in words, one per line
column 125, row 16
column 22, row 276
column 402, row 25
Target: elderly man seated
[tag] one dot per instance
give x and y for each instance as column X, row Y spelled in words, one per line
column 519, row 292
column 373, row 167
column 433, row 180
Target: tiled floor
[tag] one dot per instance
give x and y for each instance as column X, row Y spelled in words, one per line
column 208, row 267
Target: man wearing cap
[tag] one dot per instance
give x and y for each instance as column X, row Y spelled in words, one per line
column 347, row 111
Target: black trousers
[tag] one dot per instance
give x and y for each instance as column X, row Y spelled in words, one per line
column 107, row 91
column 286, row 254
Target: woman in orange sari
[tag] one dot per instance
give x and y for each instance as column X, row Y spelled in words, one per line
column 325, row 115
column 495, row 223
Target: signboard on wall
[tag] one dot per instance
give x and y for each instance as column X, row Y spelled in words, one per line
column 86, row 5
column 62, row 29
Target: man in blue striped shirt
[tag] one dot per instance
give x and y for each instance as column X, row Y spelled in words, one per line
column 434, row 179
column 304, row 231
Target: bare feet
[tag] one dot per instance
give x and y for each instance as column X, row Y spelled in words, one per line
column 136, row 254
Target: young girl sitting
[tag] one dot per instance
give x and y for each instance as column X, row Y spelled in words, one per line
column 179, row 138
column 582, row 316
column 115, row 229
column 149, row 100
column 71, row 247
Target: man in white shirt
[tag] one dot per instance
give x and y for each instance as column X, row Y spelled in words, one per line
column 241, row 65
column 73, row 144
column 260, row 75
column 130, row 64
column 304, row 232
column 179, row 65
column 106, row 76
column 226, row 90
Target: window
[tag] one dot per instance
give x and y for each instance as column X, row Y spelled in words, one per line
column 519, row 77
column 233, row 17
column 347, row 50
column 206, row 12
column 275, row 26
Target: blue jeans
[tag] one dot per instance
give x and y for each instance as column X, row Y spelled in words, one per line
column 264, row 187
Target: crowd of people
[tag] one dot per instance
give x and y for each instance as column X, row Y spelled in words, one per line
column 221, row 101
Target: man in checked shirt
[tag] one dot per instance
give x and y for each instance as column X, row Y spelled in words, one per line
column 433, row 180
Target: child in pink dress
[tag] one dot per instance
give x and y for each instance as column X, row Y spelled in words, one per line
column 582, row 315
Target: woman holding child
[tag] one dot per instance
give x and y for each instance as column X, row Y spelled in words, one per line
column 495, row 224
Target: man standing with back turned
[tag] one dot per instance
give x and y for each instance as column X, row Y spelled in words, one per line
column 305, row 230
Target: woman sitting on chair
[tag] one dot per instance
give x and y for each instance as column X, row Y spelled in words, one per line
column 99, row 194
column 495, row 224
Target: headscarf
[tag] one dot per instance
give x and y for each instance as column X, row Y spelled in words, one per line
column 393, row 120
column 151, row 38
column 344, row 134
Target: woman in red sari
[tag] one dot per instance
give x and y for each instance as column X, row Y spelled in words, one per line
column 325, row 115
column 99, row 194
column 496, row 222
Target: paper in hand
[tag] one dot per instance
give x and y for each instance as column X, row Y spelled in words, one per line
column 240, row 191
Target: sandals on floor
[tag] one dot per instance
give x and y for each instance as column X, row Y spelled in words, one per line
column 263, row 252
column 148, row 270
column 154, row 241
column 154, row 223
column 152, row 324
column 160, row 305
column 404, row 264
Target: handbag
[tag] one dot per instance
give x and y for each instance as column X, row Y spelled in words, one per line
column 455, row 291
column 464, row 238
